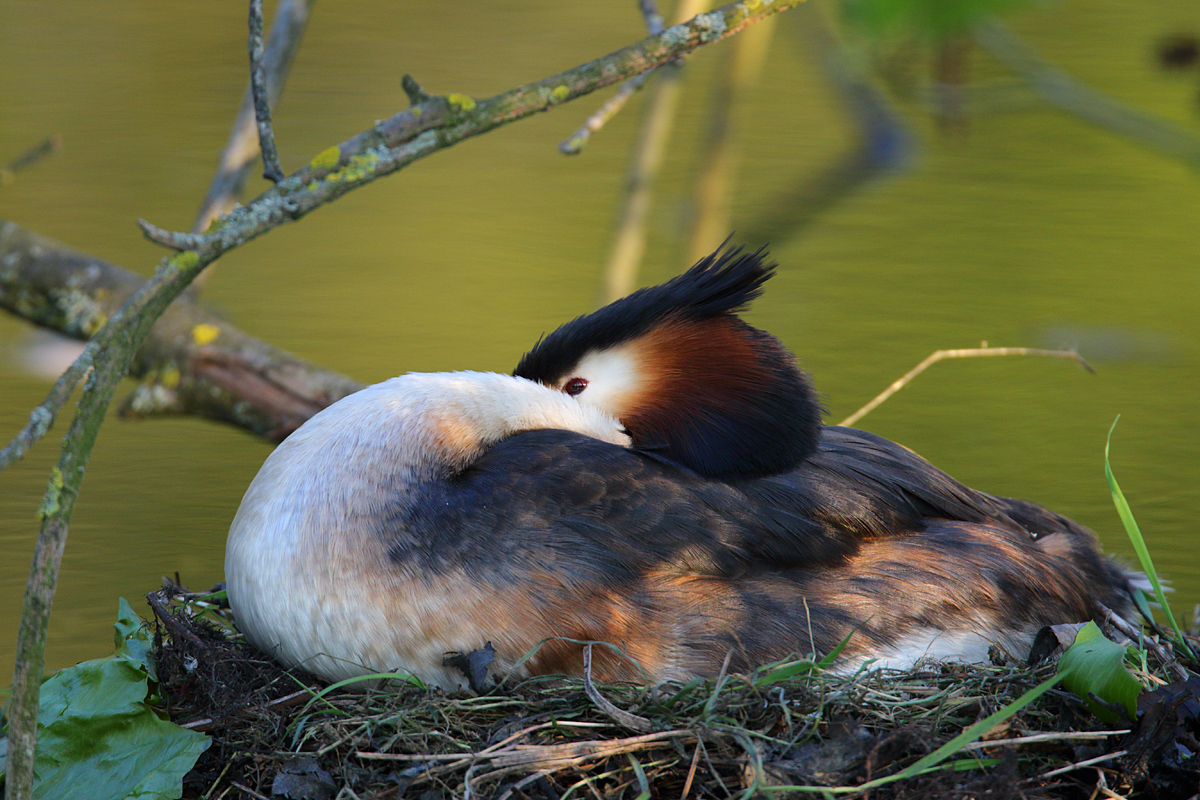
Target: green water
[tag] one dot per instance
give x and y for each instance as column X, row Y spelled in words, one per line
column 1031, row 228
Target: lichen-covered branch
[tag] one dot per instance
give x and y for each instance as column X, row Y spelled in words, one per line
column 423, row 129
column 191, row 363
column 456, row 117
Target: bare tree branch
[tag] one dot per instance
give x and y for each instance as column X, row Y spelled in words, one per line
column 287, row 30
column 258, row 90
column 170, row 239
column 192, row 362
column 573, row 145
column 623, row 717
column 654, row 20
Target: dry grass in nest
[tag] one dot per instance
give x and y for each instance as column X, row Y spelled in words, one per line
column 275, row 735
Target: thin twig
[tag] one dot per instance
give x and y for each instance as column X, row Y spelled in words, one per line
column 573, row 144
column 1082, row 764
column 687, row 784
column 241, row 150
column 416, row 95
column 459, row 759
column 569, row 754
column 712, row 769
column 718, row 684
column 249, row 791
column 971, row 352
column 626, row 718
column 521, row 784
column 170, row 239
column 42, row 417
column 654, row 20
column 205, row 724
column 1054, row 736
column 173, row 625
column 258, row 87
column 51, row 144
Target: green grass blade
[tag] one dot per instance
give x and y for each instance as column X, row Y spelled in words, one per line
column 640, row 774
column 1139, row 544
column 404, row 677
column 934, row 760
column 973, row 732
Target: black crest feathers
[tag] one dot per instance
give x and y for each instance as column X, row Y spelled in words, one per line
column 722, row 283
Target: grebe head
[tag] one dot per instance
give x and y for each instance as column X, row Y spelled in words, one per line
column 689, row 380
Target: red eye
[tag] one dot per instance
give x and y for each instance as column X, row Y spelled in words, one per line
column 575, row 386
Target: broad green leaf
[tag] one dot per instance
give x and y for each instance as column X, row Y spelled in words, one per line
column 1095, row 665
column 640, row 773
column 131, row 639
column 97, row 736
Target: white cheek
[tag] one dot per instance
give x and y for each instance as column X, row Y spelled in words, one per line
column 612, row 377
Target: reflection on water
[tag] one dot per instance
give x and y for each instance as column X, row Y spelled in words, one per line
column 1029, row 229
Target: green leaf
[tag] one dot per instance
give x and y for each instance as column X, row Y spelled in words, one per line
column 640, row 773
column 98, row 736
column 131, row 640
column 1095, row 665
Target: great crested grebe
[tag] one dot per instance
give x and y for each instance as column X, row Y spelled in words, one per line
column 850, row 532
column 668, row 490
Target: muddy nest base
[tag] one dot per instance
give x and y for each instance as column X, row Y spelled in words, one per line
column 790, row 729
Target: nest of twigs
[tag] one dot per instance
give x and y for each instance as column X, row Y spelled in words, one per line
column 789, row 729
